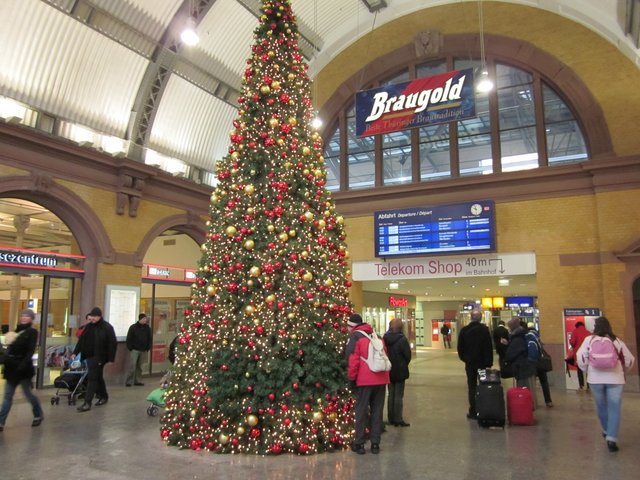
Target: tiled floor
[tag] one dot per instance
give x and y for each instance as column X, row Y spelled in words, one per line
column 119, row 441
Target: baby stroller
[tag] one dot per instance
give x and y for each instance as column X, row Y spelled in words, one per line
column 72, row 383
column 156, row 397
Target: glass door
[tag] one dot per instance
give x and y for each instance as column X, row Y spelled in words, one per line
column 57, row 340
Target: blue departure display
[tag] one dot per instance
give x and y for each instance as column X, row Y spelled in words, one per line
column 465, row 227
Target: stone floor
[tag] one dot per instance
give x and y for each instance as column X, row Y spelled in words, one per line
column 119, row 441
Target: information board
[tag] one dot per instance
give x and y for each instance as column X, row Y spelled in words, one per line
column 121, row 308
column 464, row 227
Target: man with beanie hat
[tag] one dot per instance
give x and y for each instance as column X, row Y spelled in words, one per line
column 138, row 342
column 18, row 368
column 97, row 345
column 476, row 351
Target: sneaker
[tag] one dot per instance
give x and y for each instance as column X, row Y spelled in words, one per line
column 139, row 384
column 375, row 448
column 612, row 446
column 550, row 404
column 36, row 421
column 102, row 401
column 403, row 424
column 359, row 449
column 85, row 407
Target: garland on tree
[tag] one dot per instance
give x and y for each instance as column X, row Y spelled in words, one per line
column 260, row 363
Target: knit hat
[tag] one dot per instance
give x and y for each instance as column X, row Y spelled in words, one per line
column 354, row 320
column 141, row 316
column 27, row 312
column 95, row 312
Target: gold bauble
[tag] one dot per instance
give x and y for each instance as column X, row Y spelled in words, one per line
column 231, row 231
column 322, row 224
column 240, row 430
column 293, row 121
column 306, row 172
column 270, row 228
column 316, row 304
column 280, row 142
column 333, row 416
column 273, row 122
column 235, row 155
column 223, row 439
column 271, row 53
column 317, row 417
column 320, row 159
column 214, row 198
column 328, row 282
column 249, row 310
column 292, row 233
column 206, row 268
column 287, row 165
column 203, row 247
column 291, row 76
column 252, row 420
column 307, row 277
column 318, row 173
column 252, row 172
column 249, row 189
column 270, row 298
column 283, row 237
column 339, row 220
column 234, row 171
column 255, row 271
column 265, row 89
column 207, row 223
column 211, row 290
column 250, row 283
column 250, row 211
column 193, row 413
column 304, row 254
column 247, row 374
column 249, row 244
column 275, row 85
column 308, row 216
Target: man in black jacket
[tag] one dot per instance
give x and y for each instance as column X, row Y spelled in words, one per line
column 476, row 351
column 97, row 345
column 138, row 343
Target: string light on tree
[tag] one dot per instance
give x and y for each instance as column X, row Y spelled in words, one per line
column 260, row 363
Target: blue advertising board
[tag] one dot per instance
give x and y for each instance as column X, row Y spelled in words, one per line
column 463, row 228
column 431, row 100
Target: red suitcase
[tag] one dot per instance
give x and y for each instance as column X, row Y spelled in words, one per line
column 519, row 406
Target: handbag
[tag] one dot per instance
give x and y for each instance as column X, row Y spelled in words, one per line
column 506, row 369
column 544, row 362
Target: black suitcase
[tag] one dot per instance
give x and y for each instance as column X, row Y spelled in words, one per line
column 490, row 405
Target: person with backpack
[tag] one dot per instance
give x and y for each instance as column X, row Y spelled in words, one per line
column 605, row 357
column 400, row 356
column 370, row 380
column 476, row 351
column 540, row 373
column 522, row 354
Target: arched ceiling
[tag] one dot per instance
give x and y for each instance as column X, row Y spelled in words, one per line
column 118, row 66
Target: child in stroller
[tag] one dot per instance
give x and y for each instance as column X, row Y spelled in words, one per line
column 156, row 397
column 73, row 381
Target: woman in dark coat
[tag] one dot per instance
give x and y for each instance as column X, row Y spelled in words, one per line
column 18, row 368
column 399, row 353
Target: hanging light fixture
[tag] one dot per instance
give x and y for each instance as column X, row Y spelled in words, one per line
column 189, row 36
column 484, row 84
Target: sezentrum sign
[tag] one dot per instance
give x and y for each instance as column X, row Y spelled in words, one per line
column 481, row 265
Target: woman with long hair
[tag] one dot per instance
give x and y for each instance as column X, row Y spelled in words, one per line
column 606, row 381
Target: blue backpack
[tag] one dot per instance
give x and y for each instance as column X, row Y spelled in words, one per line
column 533, row 347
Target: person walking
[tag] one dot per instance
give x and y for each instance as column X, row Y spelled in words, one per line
column 578, row 335
column 607, row 383
column 501, row 340
column 138, row 343
column 445, row 331
column 370, row 388
column 18, row 368
column 97, row 345
column 400, row 356
column 476, row 351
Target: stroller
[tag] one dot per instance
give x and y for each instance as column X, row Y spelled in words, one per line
column 156, row 397
column 72, row 383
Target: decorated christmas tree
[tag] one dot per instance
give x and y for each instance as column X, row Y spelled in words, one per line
column 260, row 361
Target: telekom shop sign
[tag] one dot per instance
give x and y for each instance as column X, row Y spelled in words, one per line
column 482, row 265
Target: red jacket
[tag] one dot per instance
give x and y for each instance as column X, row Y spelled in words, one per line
column 358, row 370
column 577, row 337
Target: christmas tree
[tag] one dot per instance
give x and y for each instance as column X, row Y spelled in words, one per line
column 260, row 362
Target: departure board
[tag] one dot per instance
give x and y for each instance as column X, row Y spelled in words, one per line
column 464, row 227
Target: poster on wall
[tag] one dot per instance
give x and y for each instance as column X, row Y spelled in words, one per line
column 571, row 316
column 121, row 308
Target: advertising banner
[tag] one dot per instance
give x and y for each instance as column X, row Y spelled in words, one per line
column 425, row 101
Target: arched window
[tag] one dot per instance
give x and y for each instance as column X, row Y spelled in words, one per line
column 523, row 123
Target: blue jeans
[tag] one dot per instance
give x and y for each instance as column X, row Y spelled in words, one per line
column 10, row 390
column 608, row 398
